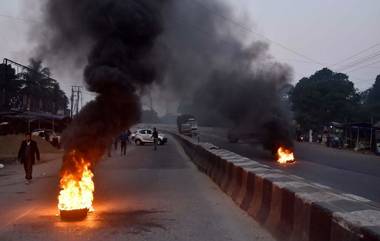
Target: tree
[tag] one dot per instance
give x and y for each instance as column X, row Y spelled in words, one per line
column 34, row 80
column 42, row 93
column 373, row 100
column 324, row 97
column 9, row 88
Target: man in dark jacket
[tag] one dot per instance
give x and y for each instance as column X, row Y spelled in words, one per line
column 155, row 138
column 123, row 143
column 27, row 155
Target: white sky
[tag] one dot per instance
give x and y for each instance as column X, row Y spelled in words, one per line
column 326, row 31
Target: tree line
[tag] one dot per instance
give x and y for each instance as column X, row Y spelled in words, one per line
column 31, row 89
column 328, row 96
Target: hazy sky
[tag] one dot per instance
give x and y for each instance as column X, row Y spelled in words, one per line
column 324, row 32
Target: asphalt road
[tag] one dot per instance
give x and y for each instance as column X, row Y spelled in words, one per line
column 340, row 169
column 145, row 196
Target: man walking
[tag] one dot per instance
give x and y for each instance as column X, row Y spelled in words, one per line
column 129, row 136
column 123, row 143
column 115, row 143
column 27, row 155
column 155, row 138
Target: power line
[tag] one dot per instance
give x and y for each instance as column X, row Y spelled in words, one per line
column 355, row 55
column 297, row 60
column 362, row 67
column 250, row 30
column 17, row 18
column 196, row 27
column 360, row 61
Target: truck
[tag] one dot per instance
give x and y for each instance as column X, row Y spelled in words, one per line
column 187, row 125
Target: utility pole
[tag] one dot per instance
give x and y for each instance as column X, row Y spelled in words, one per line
column 72, row 102
column 76, row 100
column 151, row 100
column 370, row 138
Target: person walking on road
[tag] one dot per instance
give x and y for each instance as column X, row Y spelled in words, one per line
column 129, row 136
column 27, row 155
column 123, row 143
column 155, row 138
column 115, row 143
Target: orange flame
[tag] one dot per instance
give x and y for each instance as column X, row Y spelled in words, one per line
column 285, row 156
column 77, row 188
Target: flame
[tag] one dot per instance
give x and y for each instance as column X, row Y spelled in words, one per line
column 77, row 188
column 285, row 156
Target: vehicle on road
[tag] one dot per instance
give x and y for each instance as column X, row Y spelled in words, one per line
column 144, row 135
column 187, row 125
column 48, row 135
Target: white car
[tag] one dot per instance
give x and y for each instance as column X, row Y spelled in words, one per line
column 48, row 135
column 144, row 135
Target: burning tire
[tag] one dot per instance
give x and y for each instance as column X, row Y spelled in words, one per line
column 285, row 155
column 77, row 189
column 74, row 215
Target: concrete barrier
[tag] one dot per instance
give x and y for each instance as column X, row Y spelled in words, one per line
column 290, row 207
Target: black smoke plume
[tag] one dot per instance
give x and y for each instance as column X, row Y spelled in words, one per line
column 118, row 36
column 222, row 75
column 191, row 50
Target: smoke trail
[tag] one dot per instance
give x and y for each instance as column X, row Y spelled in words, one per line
column 184, row 47
column 118, row 37
column 221, row 76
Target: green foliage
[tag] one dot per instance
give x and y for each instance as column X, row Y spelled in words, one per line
column 324, row 97
column 373, row 100
column 32, row 89
column 10, row 87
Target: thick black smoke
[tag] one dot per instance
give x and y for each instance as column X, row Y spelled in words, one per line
column 220, row 75
column 188, row 48
column 118, row 36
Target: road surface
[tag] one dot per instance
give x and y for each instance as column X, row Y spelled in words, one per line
column 145, row 196
column 341, row 169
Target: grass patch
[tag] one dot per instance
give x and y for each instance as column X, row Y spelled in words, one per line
column 10, row 144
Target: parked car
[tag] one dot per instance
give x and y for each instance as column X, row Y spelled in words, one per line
column 144, row 135
column 44, row 134
column 48, row 135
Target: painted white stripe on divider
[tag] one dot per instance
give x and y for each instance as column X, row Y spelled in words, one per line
column 271, row 175
column 322, row 196
column 356, row 198
column 320, row 185
column 236, row 160
column 230, row 156
column 297, row 177
column 363, row 218
column 255, row 165
column 207, row 145
column 214, row 151
column 258, row 169
column 291, row 184
column 245, row 163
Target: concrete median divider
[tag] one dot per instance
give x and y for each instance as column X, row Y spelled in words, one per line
column 291, row 208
